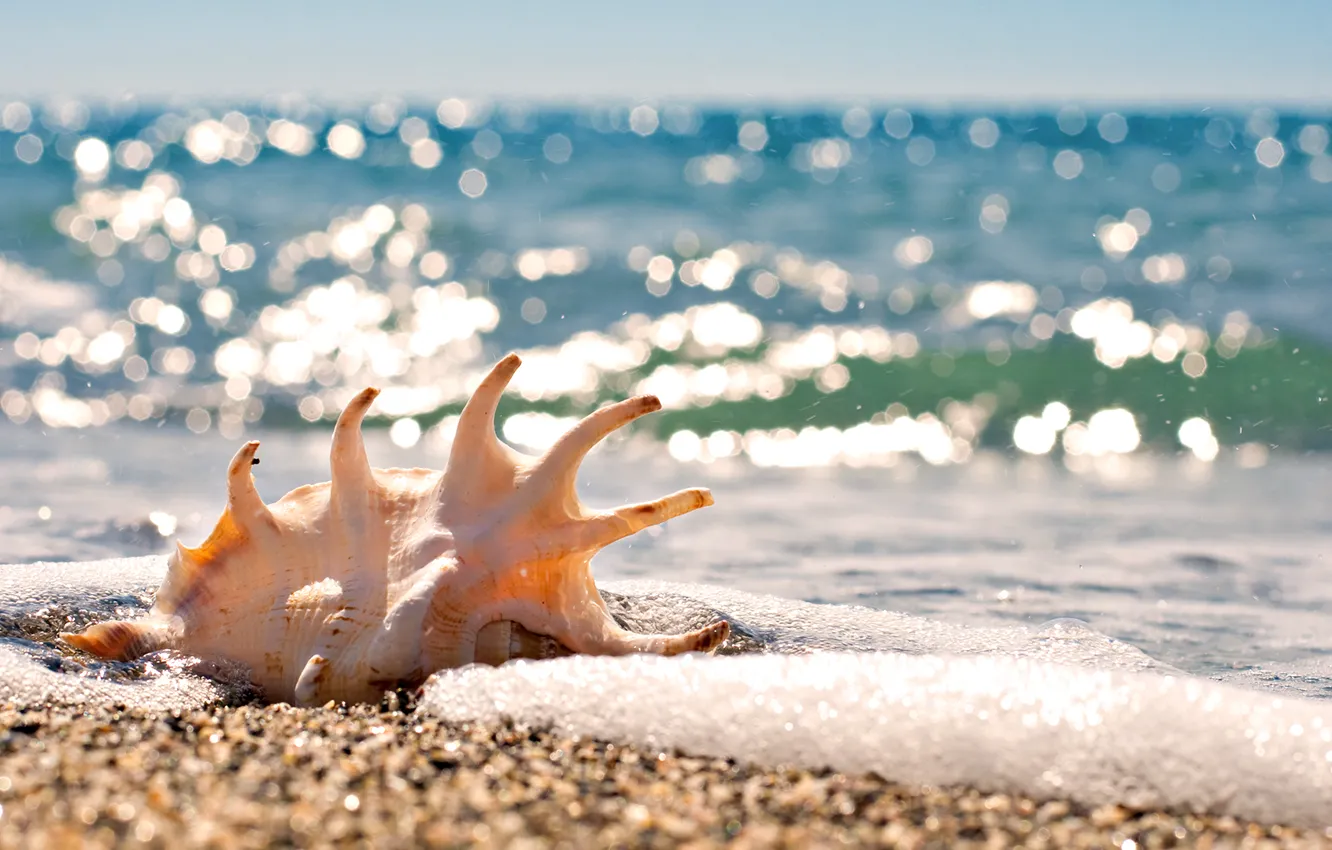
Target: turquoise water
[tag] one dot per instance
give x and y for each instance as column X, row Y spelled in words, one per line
column 931, row 277
column 1007, row 366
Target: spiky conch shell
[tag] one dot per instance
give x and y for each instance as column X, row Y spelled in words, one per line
column 380, row 577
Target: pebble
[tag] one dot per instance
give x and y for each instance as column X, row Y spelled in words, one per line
column 262, row 776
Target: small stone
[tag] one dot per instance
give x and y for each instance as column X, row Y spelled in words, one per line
column 1105, row 816
column 367, row 776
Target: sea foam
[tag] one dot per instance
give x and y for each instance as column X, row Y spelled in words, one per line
column 1144, row 740
column 1057, row 711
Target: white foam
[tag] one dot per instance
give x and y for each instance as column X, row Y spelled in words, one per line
column 25, row 681
column 1054, row 711
column 997, row 723
column 32, row 675
column 781, row 625
column 27, row 587
column 792, row 626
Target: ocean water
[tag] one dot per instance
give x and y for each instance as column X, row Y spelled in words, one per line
column 1052, row 384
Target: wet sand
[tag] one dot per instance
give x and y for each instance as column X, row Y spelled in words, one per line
column 261, row 776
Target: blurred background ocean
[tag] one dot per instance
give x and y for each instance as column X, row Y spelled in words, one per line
column 800, row 287
column 1014, row 360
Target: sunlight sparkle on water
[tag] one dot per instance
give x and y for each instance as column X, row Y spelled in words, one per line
column 371, row 299
column 1034, row 435
column 1109, row 431
column 984, row 133
column 1057, row 415
column 1196, row 435
column 898, row 123
column 346, row 140
column 92, row 158
column 1039, row 434
column 536, row 431
column 1269, row 152
column 989, row 299
column 534, row 263
column 913, row 251
column 231, row 138
column 405, row 433
column 473, row 183
column 290, row 137
column 866, row 445
column 753, row 136
column 1164, row 268
column 1068, row 164
column 557, row 148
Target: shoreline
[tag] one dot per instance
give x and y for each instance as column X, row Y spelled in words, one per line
column 258, row 776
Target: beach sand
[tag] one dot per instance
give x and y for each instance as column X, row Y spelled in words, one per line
column 261, row 776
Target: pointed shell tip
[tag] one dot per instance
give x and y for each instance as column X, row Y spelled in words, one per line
column 507, row 365
column 244, row 458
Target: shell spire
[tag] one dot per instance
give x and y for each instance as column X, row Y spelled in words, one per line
column 349, row 465
column 552, row 482
column 555, row 472
column 243, row 501
column 482, row 470
column 607, row 527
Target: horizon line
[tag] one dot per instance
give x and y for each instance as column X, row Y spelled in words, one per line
column 711, row 102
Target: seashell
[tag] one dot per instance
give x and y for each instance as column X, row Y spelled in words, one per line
column 380, row 577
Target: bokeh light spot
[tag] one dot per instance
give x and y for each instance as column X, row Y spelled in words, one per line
column 473, row 183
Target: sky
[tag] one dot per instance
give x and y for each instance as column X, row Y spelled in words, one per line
column 1016, row 51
